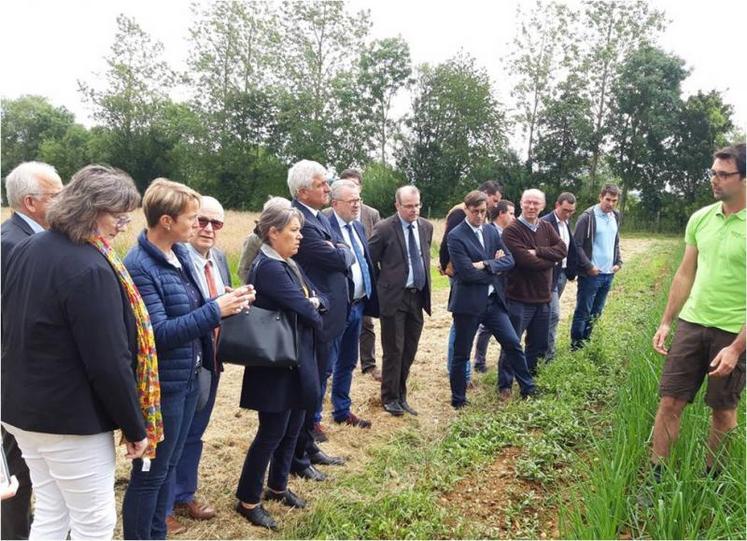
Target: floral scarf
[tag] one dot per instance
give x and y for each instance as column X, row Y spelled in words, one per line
column 149, row 388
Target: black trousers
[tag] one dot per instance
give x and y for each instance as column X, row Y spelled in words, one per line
column 400, row 335
column 273, row 445
column 16, row 512
column 368, row 344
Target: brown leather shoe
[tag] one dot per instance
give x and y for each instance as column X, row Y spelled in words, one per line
column 195, row 509
column 504, row 395
column 173, row 526
column 374, row 372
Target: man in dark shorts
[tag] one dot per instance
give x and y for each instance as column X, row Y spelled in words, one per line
column 709, row 288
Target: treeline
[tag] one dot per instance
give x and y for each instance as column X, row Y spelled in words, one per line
column 594, row 100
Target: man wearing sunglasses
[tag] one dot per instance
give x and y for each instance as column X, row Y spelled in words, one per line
column 212, row 270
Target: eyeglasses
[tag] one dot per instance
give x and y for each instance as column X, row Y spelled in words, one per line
column 122, row 220
column 411, row 207
column 722, row 175
column 351, row 201
column 51, row 195
column 217, row 224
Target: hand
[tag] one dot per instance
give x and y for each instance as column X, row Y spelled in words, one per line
column 233, row 302
column 532, row 252
column 660, row 338
column 724, row 362
column 332, row 244
column 594, row 271
column 136, row 449
column 479, row 265
column 315, row 302
column 10, row 489
column 499, row 254
column 615, row 269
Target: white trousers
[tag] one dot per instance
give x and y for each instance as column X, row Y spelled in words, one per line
column 73, row 482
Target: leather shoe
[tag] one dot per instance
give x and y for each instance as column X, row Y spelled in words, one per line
column 354, row 420
column 394, row 408
column 405, row 406
column 311, row 473
column 195, row 509
column 460, row 405
column 173, row 526
column 258, row 516
column 504, row 395
column 481, row 367
column 318, row 433
column 374, row 372
column 323, row 459
column 287, row 498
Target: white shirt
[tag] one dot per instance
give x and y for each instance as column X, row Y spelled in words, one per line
column 565, row 234
column 359, row 289
column 314, row 212
column 33, row 224
column 199, row 263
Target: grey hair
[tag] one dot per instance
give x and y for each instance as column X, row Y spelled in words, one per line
column 402, row 189
column 338, row 185
column 302, row 174
column 24, row 180
column 277, row 217
column 92, row 190
column 533, row 191
column 281, row 202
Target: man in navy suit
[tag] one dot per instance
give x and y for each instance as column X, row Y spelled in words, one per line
column 346, row 207
column 326, row 260
column 565, row 206
column 479, row 257
column 31, row 186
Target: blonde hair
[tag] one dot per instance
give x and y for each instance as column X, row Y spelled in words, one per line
column 166, row 197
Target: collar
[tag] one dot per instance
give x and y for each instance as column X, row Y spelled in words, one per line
column 472, row 227
column 405, row 224
column 33, row 224
column 313, row 212
column 557, row 218
column 740, row 215
column 198, row 257
column 342, row 223
column 598, row 211
column 270, row 252
column 533, row 227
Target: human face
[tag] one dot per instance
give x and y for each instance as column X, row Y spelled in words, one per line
column 348, row 206
column 506, row 218
column 287, row 240
column 317, row 194
column 185, row 225
column 493, row 199
column 408, row 207
column 212, row 216
column 565, row 210
column 109, row 224
column 608, row 202
column 38, row 203
column 732, row 186
column 531, row 206
column 476, row 215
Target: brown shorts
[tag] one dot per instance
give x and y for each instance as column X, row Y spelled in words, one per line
column 687, row 364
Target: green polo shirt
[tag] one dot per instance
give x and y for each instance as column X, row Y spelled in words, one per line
column 717, row 298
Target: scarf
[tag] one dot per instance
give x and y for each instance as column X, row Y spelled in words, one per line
column 149, row 389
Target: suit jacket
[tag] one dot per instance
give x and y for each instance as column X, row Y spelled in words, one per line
column 222, row 262
column 390, row 259
column 328, row 267
column 572, row 261
column 469, row 291
column 14, row 230
column 372, row 303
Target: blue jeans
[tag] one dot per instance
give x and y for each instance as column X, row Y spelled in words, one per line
column 450, row 354
column 344, row 364
column 329, row 367
column 184, row 484
column 148, row 495
column 590, row 299
column 533, row 319
column 555, row 315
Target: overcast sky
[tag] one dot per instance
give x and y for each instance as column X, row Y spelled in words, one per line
column 47, row 45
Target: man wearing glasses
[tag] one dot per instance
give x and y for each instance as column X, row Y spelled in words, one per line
column 31, row 187
column 708, row 293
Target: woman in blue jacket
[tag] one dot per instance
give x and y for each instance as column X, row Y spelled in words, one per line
column 279, row 395
column 183, row 324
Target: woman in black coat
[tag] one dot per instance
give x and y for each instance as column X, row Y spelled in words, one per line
column 279, row 395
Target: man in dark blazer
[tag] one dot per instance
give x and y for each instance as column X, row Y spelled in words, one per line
column 30, row 187
column 400, row 250
column 477, row 297
column 326, row 260
column 213, row 275
column 346, row 202
column 560, row 219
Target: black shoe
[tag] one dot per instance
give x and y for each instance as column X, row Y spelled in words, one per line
column 394, row 408
column 258, row 516
column 481, row 367
column 405, row 406
column 532, row 394
column 460, row 405
column 311, row 473
column 287, row 498
column 323, row 459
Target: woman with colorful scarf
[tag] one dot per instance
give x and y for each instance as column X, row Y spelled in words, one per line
column 78, row 357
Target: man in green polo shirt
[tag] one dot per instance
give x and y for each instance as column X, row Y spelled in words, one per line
column 709, row 288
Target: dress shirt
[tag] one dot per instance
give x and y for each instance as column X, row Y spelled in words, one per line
column 35, row 227
column 199, row 262
column 406, row 232
column 359, row 290
column 478, row 233
column 534, row 227
column 565, row 234
column 315, row 212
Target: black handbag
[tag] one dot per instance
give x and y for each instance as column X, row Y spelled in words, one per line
column 259, row 338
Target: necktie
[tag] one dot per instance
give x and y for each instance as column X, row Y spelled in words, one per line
column 361, row 261
column 212, row 292
column 418, row 274
column 480, row 238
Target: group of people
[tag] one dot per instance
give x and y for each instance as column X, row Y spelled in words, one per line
column 97, row 343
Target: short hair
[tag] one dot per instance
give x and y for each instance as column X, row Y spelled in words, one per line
column 302, row 174
column 209, row 200
column 475, row 198
column 278, row 217
column 352, row 173
column 276, row 201
column 733, row 152
column 339, row 185
column 533, row 192
column 500, row 208
column 566, row 197
column 406, row 188
column 24, row 180
column 165, row 197
column 612, row 189
column 491, row 187
column 92, row 190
